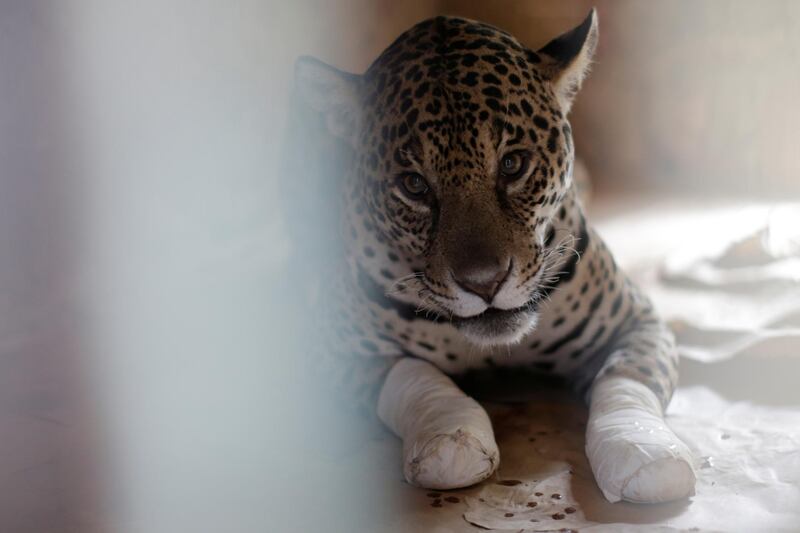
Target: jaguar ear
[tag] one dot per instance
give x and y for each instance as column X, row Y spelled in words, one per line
column 330, row 91
column 567, row 59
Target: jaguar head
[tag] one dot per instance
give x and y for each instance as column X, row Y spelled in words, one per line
column 461, row 156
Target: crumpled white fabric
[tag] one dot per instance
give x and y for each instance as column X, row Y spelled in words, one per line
column 723, row 297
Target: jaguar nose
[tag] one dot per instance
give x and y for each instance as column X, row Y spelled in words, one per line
column 483, row 280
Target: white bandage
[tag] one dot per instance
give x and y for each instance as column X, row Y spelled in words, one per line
column 448, row 440
column 635, row 456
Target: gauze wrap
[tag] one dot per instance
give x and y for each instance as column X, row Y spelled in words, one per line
column 448, row 440
column 635, row 456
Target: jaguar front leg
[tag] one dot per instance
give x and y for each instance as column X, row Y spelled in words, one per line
column 447, row 436
column 634, row 454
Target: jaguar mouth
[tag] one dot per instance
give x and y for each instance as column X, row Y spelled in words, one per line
column 496, row 327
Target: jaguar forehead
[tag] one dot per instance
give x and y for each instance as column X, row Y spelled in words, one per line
column 450, row 52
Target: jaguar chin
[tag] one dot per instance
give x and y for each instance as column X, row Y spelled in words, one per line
column 498, row 327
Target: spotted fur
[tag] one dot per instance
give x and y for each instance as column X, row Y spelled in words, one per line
column 446, row 101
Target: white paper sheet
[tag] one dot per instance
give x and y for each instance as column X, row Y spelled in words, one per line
column 748, row 461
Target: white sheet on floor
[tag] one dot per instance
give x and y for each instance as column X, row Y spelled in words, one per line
column 748, row 461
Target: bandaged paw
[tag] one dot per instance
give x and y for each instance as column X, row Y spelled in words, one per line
column 634, row 455
column 449, row 461
column 448, row 440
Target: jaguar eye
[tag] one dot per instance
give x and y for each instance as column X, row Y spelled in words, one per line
column 414, row 186
column 512, row 165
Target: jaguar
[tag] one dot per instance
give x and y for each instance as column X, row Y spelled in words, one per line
column 464, row 245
